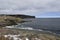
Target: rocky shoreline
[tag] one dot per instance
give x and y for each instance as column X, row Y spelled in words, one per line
column 21, row 34
column 11, row 34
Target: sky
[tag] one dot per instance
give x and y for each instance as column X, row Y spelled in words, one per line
column 38, row 8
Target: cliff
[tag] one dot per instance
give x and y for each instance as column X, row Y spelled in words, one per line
column 19, row 15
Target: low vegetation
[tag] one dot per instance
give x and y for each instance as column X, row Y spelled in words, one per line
column 9, row 20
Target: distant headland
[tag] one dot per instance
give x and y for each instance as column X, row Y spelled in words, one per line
column 12, row 19
column 18, row 15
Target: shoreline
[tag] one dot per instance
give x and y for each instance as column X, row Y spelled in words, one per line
column 24, row 33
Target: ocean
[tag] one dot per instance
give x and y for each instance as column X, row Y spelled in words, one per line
column 46, row 24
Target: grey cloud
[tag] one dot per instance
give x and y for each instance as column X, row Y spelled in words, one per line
column 29, row 6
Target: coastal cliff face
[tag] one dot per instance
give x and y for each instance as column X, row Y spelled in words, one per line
column 19, row 15
column 23, row 16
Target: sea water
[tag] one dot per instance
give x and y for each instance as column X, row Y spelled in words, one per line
column 47, row 24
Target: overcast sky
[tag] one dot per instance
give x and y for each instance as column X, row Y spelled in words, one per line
column 31, row 7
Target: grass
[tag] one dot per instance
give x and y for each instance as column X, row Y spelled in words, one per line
column 9, row 20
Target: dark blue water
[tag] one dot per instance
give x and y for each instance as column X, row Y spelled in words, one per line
column 48, row 24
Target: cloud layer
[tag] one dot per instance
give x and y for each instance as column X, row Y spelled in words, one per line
column 30, row 7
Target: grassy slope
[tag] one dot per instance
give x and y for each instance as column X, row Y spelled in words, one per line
column 8, row 20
